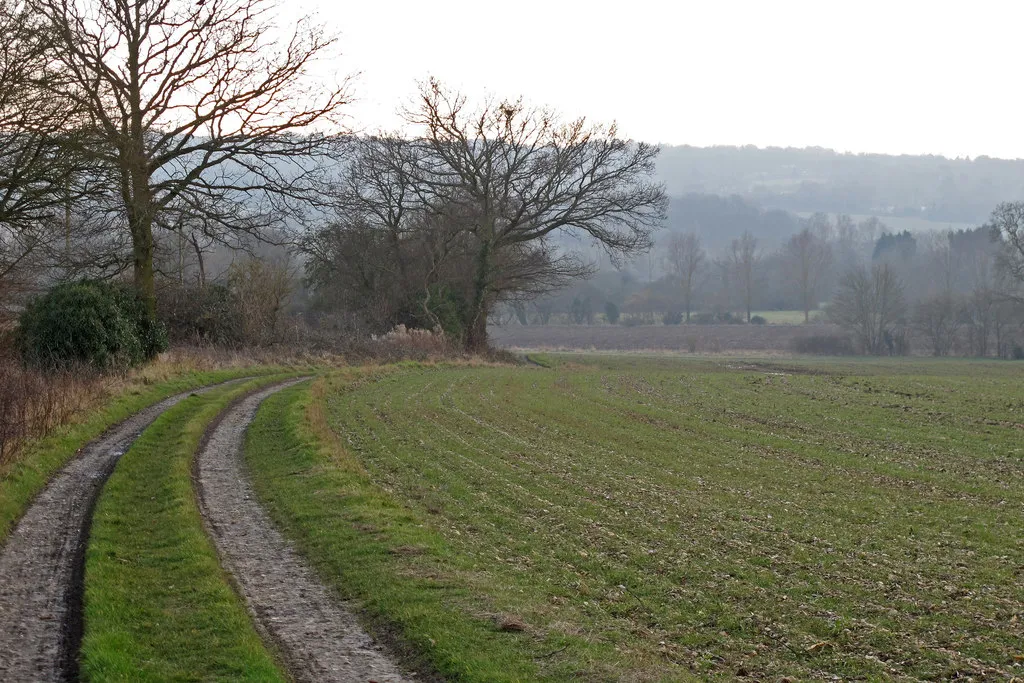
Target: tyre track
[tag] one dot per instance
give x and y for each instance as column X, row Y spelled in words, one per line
column 43, row 561
column 317, row 636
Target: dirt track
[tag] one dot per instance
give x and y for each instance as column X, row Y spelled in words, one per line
column 319, row 639
column 42, row 563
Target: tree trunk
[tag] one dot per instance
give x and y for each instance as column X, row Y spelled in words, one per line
column 142, row 251
column 688, row 293
column 476, row 325
column 476, row 335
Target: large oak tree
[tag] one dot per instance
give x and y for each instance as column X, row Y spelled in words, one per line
column 500, row 181
column 203, row 107
column 37, row 175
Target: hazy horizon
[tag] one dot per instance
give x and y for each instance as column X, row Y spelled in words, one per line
column 914, row 78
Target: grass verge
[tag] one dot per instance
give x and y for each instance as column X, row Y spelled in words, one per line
column 158, row 606
column 22, row 479
column 373, row 549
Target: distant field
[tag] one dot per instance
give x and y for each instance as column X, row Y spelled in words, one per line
column 658, row 519
column 785, row 317
column 687, row 338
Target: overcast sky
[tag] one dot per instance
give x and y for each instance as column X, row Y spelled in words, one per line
column 896, row 76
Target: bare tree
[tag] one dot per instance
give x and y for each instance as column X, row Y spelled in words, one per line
column 810, row 256
column 37, row 176
column 686, row 260
column 504, row 178
column 871, row 306
column 821, row 226
column 939, row 319
column 193, row 104
column 743, row 258
column 1007, row 228
column 260, row 288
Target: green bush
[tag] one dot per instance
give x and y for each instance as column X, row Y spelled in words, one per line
column 88, row 323
column 447, row 307
column 672, row 318
column 758, row 320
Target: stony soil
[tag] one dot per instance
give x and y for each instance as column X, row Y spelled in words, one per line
column 42, row 563
column 317, row 636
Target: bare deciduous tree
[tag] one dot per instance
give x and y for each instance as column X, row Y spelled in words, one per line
column 37, row 176
column 260, row 288
column 871, row 306
column 743, row 258
column 939, row 319
column 502, row 179
column 686, row 260
column 193, row 104
column 1007, row 227
column 810, row 256
column 523, row 174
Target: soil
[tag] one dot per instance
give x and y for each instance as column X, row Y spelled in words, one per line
column 674, row 338
column 43, row 561
column 317, row 636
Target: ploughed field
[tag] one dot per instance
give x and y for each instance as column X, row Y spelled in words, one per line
column 691, row 338
column 635, row 519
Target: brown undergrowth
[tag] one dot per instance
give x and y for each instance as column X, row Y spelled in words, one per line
column 33, row 403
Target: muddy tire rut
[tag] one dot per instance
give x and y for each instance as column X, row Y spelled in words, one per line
column 43, row 560
column 316, row 635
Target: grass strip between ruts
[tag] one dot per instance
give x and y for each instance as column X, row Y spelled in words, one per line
column 357, row 536
column 29, row 475
column 158, row 605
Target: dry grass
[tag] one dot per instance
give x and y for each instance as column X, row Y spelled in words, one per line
column 33, row 403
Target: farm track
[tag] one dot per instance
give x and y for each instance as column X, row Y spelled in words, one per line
column 317, row 637
column 42, row 562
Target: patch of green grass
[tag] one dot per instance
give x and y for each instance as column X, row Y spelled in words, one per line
column 21, row 481
column 658, row 518
column 158, row 606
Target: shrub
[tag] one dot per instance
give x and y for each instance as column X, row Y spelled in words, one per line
column 703, row 318
column 636, row 321
column 758, row 320
column 1018, row 352
column 448, row 309
column 200, row 314
column 410, row 342
column 729, row 319
column 32, row 403
column 672, row 318
column 88, row 323
column 824, row 345
column 611, row 312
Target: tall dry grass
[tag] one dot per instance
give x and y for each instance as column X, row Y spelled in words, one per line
column 33, row 403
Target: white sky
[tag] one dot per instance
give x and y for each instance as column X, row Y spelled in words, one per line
column 900, row 76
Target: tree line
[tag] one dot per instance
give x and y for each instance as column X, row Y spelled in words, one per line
column 952, row 291
column 145, row 137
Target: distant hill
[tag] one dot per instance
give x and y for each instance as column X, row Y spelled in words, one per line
column 929, row 188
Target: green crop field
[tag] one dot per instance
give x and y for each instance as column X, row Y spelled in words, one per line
column 654, row 519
